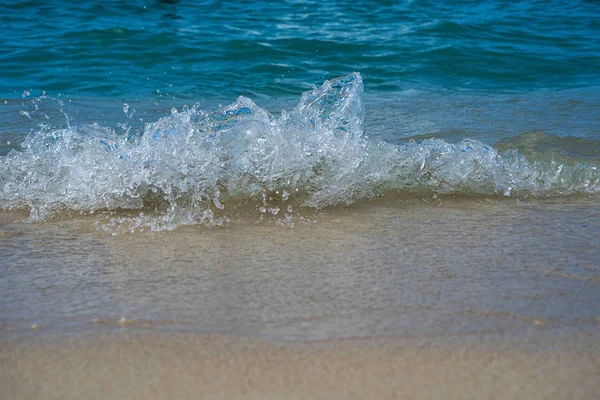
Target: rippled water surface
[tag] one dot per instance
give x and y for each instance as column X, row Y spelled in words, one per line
column 386, row 268
column 199, row 49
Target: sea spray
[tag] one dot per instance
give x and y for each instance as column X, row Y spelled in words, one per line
column 193, row 166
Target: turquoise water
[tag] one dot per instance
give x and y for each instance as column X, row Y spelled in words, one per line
column 134, row 105
column 205, row 49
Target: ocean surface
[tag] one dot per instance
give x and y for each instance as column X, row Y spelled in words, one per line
column 302, row 170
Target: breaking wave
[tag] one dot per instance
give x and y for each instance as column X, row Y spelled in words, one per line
column 191, row 166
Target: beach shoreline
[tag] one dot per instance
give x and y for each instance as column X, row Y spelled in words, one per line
column 390, row 298
column 315, row 199
column 385, row 267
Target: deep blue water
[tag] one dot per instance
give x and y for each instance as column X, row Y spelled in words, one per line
column 207, row 49
column 470, row 97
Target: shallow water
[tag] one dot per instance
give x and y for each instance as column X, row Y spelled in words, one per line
column 387, row 268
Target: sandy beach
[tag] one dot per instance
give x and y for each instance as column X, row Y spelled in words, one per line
column 190, row 366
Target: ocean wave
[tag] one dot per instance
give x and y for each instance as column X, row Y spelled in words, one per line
column 192, row 166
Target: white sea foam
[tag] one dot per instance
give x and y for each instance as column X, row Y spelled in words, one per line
column 192, row 164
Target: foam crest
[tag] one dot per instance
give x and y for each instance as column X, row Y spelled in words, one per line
column 194, row 166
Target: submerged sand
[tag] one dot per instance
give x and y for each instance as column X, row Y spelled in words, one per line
column 394, row 267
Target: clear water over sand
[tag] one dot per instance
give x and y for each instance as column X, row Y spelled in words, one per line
column 397, row 267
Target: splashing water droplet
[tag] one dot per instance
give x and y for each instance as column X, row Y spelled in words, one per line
column 274, row 210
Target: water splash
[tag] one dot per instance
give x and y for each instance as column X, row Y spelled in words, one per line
column 193, row 166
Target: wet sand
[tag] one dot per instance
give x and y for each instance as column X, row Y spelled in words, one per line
column 392, row 298
column 190, row 366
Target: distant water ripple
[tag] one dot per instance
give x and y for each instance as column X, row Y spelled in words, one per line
column 210, row 49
